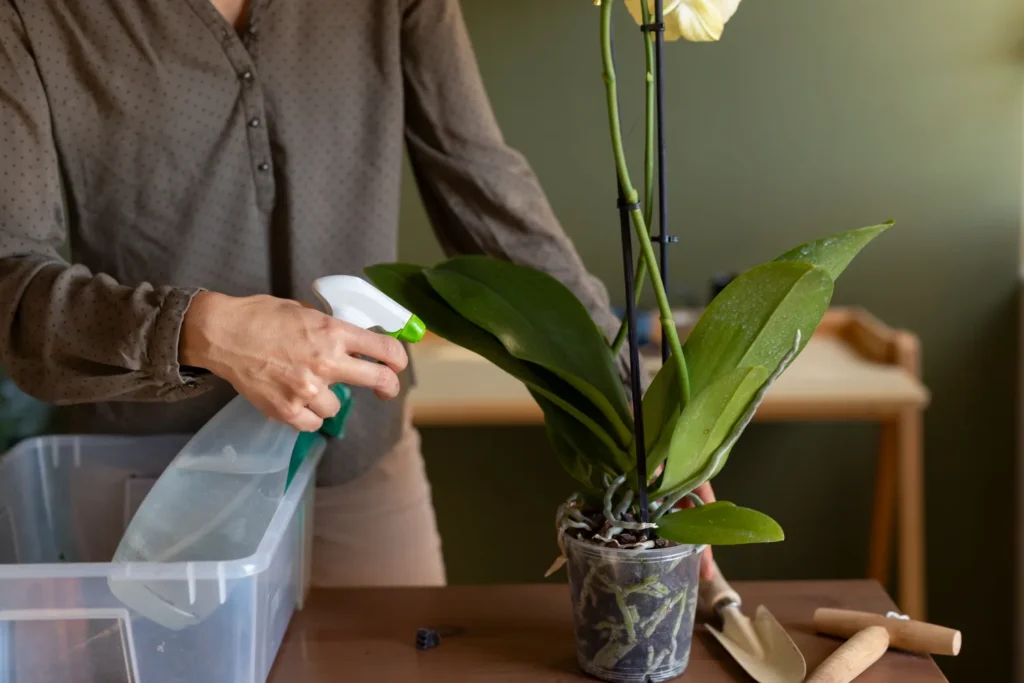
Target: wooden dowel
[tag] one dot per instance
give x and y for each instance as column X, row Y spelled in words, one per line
column 904, row 634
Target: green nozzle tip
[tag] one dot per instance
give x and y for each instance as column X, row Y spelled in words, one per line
column 413, row 331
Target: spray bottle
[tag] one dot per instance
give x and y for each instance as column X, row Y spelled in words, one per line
column 216, row 499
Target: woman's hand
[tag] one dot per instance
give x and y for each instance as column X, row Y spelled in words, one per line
column 707, row 560
column 284, row 357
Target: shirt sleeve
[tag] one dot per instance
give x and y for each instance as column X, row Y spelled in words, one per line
column 480, row 194
column 67, row 335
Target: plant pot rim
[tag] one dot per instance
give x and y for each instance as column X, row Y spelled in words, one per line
column 633, row 554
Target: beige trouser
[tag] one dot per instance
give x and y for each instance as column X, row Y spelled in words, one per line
column 380, row 529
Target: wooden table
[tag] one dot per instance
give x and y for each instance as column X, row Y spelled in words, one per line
column 513, row 634
column 854, row 369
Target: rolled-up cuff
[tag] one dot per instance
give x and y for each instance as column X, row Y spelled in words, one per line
column 164, row 345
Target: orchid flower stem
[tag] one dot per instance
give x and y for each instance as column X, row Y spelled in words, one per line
column 631, row 196
column 640, row 273
column 650, row 81
column 665, row 240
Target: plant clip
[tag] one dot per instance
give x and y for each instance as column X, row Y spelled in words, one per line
column 665, row 239
column 630, row 206
column 427, row 639
column 654, row 26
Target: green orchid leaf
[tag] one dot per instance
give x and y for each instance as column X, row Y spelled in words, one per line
column 580, row 452
column 661, row 408
column 407, row 285
column 720, row 523
column 705, row 423
column 539, row 320
column 754, row 320
column 571, row 460
column 834, row 253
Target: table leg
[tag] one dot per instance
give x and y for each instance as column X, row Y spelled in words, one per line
column 911, row 514
column 882, row 521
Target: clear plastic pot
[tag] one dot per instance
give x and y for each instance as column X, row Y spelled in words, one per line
column 633, row 610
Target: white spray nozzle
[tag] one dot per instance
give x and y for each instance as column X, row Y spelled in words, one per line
column 357, row 302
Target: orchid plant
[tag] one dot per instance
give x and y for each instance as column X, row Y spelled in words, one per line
column 632, row 480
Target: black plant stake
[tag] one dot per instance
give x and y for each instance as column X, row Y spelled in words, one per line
column 663, row 239
column 634, row 358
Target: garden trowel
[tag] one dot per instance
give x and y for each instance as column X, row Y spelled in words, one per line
column 761, row 646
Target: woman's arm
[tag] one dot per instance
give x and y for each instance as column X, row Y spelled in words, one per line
column 67, row 334
column 481, row 195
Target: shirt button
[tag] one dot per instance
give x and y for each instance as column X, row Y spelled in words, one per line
column 254, row 123
column 247, row 76
column 264, row 166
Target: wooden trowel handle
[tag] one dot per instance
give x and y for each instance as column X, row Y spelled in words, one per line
column 904, row 634
column 716, row 590
column 852, row 657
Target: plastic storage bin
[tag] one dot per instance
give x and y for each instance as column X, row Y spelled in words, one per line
column 64, row 504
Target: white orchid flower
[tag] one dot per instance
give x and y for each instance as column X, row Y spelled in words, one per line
column 693, row 20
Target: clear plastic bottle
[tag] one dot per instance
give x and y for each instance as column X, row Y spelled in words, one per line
column 216, row 499
column 214, row 502
column 224, row 486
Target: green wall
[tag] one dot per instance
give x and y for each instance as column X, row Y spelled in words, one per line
column 811, row 116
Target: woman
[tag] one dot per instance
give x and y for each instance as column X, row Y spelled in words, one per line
column 207, row 160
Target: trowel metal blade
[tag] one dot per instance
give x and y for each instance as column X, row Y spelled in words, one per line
column 782, row 663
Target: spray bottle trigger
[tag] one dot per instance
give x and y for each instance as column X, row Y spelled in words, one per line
column 333, row 427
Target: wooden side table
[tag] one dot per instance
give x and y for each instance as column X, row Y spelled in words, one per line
column 854, row 368
column 523, row 634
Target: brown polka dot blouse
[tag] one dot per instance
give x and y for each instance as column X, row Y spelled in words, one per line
column 176, row 153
